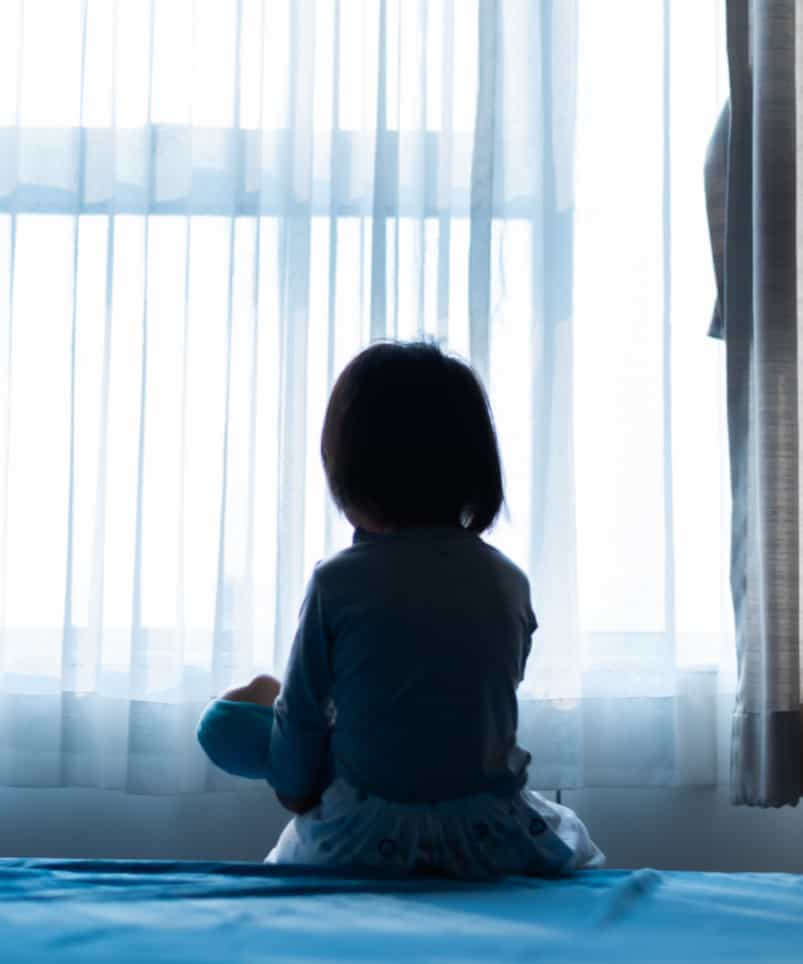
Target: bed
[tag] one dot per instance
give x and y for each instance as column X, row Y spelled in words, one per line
column 84, row 910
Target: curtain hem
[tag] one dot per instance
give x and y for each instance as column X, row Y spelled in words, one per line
column 765, row 760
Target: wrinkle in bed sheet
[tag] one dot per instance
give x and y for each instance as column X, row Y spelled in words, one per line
column 129, row 911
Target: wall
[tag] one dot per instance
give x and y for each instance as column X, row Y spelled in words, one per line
column 667, row 829
column 108, row 823
column 690, row 830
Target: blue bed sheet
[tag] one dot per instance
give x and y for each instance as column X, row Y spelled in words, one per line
column 80, row 910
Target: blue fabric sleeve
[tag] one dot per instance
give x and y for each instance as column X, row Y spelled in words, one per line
column 236, row 737
column 300, row 759
column 532, row 625
column 287, row 745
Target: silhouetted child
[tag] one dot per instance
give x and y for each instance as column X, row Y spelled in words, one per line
column 393, row 734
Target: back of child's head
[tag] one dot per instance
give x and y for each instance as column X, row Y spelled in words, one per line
column 408, row 440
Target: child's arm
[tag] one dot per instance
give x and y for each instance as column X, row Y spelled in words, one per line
column 301, row 762
column 263, row 690
column 237, row 739
column 279, row 732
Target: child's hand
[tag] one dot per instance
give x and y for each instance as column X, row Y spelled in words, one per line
column 262, row 690
column 299, row 805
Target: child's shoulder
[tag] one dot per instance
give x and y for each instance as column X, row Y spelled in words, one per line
column 338, row 564
column 366, row 557
column 505, row 565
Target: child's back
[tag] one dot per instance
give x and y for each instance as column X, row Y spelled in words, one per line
column 429, row 631
column 410, row 649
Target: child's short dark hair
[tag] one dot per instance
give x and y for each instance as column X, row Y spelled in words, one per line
column 408, row 439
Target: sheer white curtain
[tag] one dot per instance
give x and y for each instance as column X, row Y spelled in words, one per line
column 207, row 206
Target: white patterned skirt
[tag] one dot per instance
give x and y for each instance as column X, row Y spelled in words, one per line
column 473, row 837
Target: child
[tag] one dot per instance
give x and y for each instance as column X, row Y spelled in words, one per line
column 393, row 735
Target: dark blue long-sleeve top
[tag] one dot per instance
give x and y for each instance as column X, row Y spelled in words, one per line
column 403, row 673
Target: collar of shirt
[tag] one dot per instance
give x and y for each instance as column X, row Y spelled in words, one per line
column 413, row 532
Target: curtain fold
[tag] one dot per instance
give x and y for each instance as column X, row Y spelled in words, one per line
column 752, row 175
column 206, row 208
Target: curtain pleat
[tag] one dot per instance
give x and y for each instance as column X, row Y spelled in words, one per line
column 383, row 167
column 484, row 157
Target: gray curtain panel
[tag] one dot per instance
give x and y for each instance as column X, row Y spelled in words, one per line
column 751, row 181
